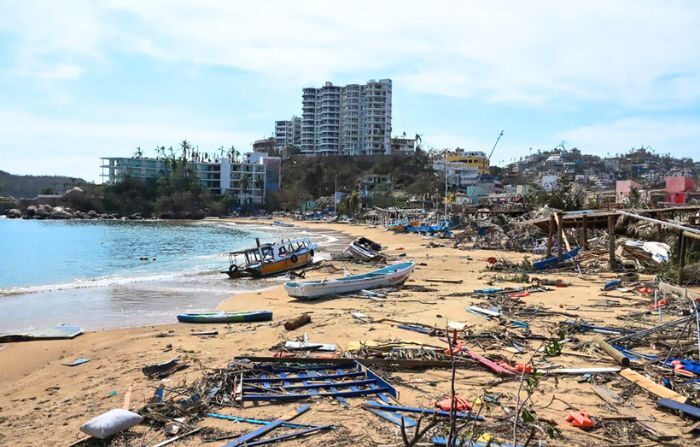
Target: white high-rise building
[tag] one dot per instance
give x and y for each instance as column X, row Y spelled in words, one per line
column 350, row 120
column 288, row 133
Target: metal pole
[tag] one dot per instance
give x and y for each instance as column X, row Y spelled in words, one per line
column 661, row 222
column 611, row 242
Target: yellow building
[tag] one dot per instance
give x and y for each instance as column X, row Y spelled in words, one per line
column 473, row 159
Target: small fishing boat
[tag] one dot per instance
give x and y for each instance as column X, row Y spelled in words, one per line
column 271, row 259
column 279, row 223
column 389, row 276
column 365, row 249
column 225, row 317
column 554, row 260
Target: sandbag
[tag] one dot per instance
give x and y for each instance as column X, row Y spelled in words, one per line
column 110, row 423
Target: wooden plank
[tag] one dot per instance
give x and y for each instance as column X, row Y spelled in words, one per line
column 607, row 394
column 651, row 386
column 563, row 233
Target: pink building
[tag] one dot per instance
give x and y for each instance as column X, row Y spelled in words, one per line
column 676, row 188
column 623, row 188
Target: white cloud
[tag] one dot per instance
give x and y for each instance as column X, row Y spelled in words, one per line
column 33, row 144
column 679, row 137
column 640, row 53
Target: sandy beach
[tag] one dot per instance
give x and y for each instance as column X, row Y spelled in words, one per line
column 43, row 402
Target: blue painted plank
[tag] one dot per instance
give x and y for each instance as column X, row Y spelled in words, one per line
column 394, row 418
column 290, row 435
column 300, row 379
column 243, row 440
column 296, row 396
column 686, row 409
column 427, row 411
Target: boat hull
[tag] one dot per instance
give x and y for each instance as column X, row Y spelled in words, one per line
column 390, row 276
column 225, row 317
column 281, row 266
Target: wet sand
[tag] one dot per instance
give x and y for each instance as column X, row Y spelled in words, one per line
column 44, row 403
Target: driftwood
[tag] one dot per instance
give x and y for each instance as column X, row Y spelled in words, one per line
column 297, row 322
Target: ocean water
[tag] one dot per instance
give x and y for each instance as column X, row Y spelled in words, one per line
column 106, row 274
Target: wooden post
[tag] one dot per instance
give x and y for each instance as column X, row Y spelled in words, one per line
column 611, row 241
column 560, row 237
column 579, row 229
column 585, row 232
column 681, row 257
column 550, row 233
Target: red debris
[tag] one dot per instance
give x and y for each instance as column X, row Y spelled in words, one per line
column 461, row 404
column 579, row 419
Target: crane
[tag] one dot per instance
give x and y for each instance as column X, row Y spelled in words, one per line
column 495, row 144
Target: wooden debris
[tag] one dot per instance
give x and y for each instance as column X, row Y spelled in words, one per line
column 651, row 386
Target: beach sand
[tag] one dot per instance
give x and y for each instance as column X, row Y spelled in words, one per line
column 43, row 402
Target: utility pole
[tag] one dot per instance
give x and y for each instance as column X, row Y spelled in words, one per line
column 335, row 194
column 445, row 158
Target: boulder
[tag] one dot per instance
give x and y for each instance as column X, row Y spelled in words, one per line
column 14, row 213
column 60, row 213
column 92, row 214
column 30, row 211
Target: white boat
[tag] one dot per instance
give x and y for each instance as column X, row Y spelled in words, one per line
column 389, row 276
column 365, row 249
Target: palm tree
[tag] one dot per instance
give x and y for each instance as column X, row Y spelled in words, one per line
column 186, row 147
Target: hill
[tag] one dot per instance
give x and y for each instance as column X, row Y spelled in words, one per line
column 29, row 186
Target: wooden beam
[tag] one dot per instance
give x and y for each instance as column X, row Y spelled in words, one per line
column 585, row 232
column 681, row 257
column 560, row 231
column 612, row 352
column 611, row 242
column 651, row 386
column 550, row 234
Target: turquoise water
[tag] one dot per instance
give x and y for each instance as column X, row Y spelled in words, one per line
column 103, row 274
column 62, row 252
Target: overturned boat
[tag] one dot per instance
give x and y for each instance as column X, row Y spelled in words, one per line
column 271, row 259
column 389, row 276
column 365, row 249
column 225, row 317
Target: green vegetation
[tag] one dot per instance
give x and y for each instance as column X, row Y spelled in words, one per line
column 307, row 178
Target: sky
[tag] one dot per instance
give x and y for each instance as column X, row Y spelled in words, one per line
column 80, row 80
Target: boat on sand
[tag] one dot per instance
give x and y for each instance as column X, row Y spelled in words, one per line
column 389, row 276
column 271, row 259
column 225, row 317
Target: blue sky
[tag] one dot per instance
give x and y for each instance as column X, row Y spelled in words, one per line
column 84, row 79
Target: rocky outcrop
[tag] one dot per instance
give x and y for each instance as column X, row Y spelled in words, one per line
column 14, row 213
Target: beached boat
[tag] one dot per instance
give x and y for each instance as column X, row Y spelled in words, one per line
column 279, row 223
column 225, row 317
column 389, row 276
column 365, row 249
column 271, row 259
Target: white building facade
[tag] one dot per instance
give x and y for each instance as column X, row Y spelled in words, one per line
column 246, row 182
column 288, row 133
column 350, row 120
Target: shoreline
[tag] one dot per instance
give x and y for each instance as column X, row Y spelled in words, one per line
column 44, row 402
column 143, row 299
